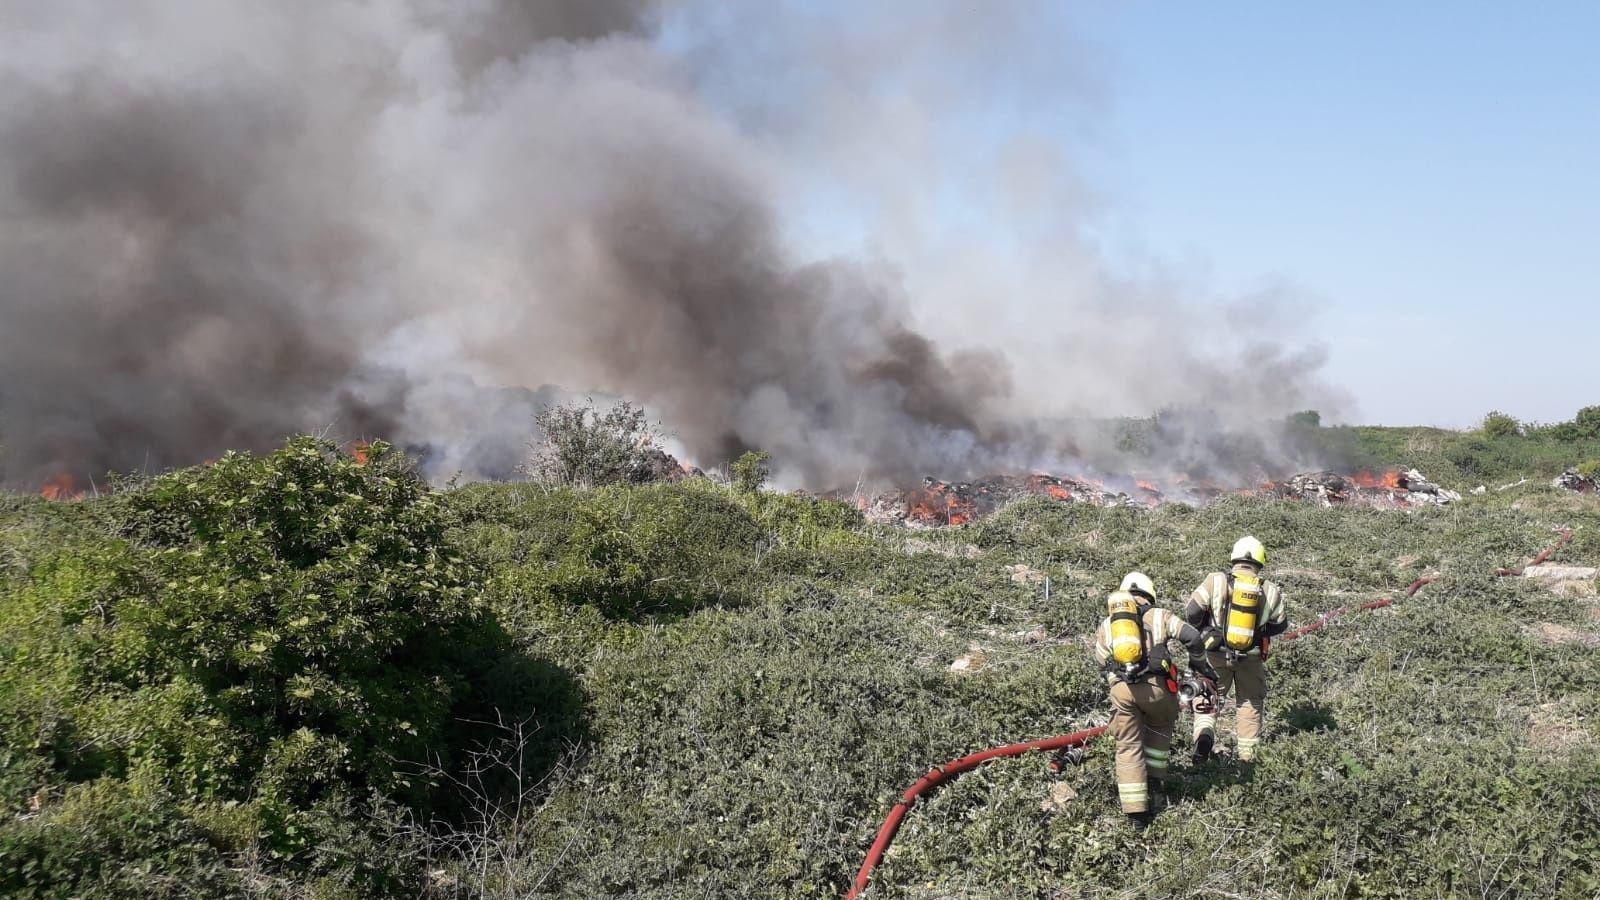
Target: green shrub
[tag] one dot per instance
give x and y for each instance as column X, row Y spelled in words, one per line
column 277, row 632
column 70, row 849
column 306, row 601
column 1498, row 424
column 580, row 446
column 1587, row 422
column 750, row 471
column 1589, row 468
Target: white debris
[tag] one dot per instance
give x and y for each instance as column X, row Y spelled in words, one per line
column 1424, row 490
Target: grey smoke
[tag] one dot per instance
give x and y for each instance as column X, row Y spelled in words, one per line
column 225, row 223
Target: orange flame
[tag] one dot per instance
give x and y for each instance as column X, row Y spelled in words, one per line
column 61, row 486
column 359, row 451
column 935, row 505
column 1386, row 481
column 1048, row 485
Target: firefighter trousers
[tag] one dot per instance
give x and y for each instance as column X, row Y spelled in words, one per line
column 1143, row 714
column 1247, row 677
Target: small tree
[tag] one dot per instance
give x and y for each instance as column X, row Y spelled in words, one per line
column 1498, row 424
column 1588, row 421
column 1309, row 418
column 750, row 471
column 580, row 446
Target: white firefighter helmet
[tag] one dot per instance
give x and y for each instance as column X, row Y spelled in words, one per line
column 1249, row 550
column 1139, row 585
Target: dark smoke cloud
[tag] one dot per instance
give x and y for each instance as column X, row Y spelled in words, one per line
column 224, row 223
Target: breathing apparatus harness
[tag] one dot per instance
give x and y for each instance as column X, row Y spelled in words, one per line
column 1238, row 630
column 1131, row 657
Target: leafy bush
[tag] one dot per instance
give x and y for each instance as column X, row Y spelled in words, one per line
column 750, row 471
column 1498, row 424
column 276, row 632
column 580, row 446
column 307, row 601
column 1587, row 422
column 1308, row 418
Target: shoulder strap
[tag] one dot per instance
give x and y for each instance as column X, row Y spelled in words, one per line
column 1271, row 599
column 1159, row 630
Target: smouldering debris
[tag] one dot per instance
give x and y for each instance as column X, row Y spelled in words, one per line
column 937, row 503
column 1573, row 480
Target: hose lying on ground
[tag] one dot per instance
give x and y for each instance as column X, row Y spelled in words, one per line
column 940, row 774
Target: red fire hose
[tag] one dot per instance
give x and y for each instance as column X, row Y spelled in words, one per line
column 940, row 774
column 1542, row 558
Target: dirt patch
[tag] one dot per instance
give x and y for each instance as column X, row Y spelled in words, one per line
column 1550, row 729
column 1549, row 574
column 1022, row 573
column 1551, row 634
column 1573, row 590
column 974, row 659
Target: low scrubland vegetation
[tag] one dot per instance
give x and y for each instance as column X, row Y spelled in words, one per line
column 302, row 674
column 1501, row 449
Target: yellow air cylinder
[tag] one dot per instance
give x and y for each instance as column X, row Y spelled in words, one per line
column 1127, row 641
column 1244, row 611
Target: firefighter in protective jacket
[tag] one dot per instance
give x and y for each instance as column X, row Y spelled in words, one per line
column 1238, row 613
column 1131, row 648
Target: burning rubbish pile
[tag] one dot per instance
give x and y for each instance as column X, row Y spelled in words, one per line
column 1390, row 490
column 937, row 503
column 62, row 486
column 1574, row 480
column 940, row 503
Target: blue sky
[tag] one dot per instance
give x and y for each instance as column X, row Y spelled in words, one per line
column 1429, row 173
column 1423, row 177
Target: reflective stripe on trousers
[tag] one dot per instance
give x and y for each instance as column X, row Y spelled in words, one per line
column 1246, row 676
column 1142, row 718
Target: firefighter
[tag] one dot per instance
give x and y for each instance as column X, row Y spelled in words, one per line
column 1238, row 612
column 1131, row 648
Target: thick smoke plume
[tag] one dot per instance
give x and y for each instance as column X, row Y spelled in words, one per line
column 227, row 222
